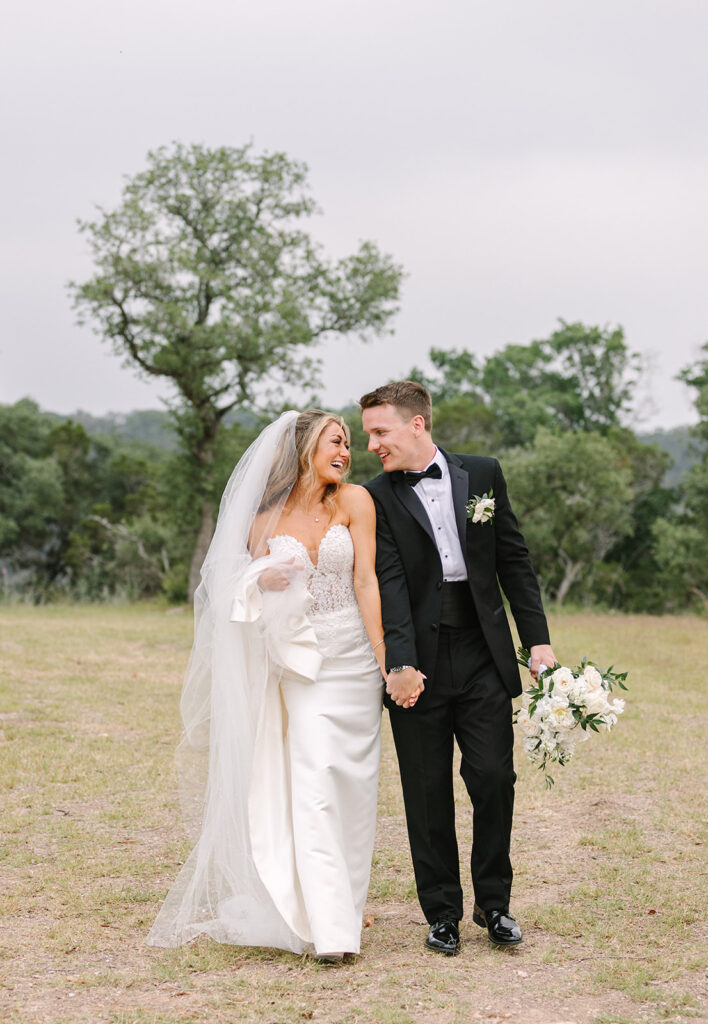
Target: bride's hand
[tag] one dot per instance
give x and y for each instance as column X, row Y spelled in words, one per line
column 405, row 687
column 278, row 578
column 411, row 702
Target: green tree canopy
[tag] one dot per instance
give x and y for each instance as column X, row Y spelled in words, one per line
column 205, row 277
column 580, row 378
column 681, row 538
column 571, row 492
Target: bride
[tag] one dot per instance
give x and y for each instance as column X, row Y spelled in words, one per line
column 282, row 704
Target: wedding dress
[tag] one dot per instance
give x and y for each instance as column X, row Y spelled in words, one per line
column 288, row 817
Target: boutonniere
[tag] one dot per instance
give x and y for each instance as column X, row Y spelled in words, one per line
column 481, row 510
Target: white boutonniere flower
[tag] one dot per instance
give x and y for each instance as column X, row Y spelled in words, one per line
column 481, row 509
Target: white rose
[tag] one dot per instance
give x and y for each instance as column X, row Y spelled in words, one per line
column 617, row 706
column 592, row 677
column 529, row 724
column 596, row 703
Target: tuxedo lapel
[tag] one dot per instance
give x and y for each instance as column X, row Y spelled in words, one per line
column 460, row 482
column 406, row 495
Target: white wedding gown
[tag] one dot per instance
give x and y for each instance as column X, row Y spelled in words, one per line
column 299, row 879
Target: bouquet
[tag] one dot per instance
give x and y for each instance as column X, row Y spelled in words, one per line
column 561, row 708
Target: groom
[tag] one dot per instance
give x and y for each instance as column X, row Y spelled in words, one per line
column 439, row 575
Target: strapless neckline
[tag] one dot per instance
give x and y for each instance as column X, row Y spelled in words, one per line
column 297, row 540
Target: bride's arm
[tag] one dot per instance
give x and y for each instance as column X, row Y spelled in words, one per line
column 362, row 526
column 271, row 579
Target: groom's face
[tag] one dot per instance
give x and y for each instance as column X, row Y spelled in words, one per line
column 391, row 437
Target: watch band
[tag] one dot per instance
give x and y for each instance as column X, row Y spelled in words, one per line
column 399, row 668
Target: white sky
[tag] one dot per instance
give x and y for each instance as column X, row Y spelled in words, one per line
column 523, row 159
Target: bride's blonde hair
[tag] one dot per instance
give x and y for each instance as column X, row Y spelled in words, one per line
column 309, row 427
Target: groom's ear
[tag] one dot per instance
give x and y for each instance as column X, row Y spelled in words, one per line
column 418, row 425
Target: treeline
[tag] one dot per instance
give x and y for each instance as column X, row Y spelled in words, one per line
column 205, row 277
column 110, row 509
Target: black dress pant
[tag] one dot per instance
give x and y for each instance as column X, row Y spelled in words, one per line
column 465, row 701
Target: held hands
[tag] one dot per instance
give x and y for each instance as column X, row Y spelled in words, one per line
column 405, row 687
column 541, row 654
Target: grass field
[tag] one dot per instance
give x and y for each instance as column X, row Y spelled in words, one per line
column 610, row 865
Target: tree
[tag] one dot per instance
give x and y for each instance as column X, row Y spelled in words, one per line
column 681, row 538
column 630, row 578
column 581, row 378
column 571, row 493
column 204, row 277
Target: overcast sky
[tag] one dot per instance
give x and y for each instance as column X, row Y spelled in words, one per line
column 523, row 159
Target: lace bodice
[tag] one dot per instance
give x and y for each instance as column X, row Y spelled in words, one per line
column 330, row 582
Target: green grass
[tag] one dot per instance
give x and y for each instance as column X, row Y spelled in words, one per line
column 610, row 864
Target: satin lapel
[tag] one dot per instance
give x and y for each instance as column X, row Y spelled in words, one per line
column 406, row 495
column 460, row 481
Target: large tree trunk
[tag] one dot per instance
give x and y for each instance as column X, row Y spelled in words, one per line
column 206, row 529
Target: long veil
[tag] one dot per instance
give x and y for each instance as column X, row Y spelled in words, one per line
column 219, row 891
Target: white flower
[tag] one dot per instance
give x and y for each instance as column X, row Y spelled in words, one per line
column 565, row 748
column 529, row 724
column 578, row 690
column 481, row 510
column 558, row 700
column 563, row 718
column 543, row 708
column 563, row 679
column 592, row 677
column 596, row 703
column 617, row 706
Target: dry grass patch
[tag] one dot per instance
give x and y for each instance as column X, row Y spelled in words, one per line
column 610, row 865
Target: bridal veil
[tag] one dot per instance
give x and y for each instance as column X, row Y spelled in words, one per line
column 240, row 643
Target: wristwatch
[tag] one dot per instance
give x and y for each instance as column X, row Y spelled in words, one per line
column 399, row 668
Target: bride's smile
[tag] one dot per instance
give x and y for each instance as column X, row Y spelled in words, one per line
column 331, row 459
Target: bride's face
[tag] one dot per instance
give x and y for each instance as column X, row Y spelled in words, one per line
column 331, row 458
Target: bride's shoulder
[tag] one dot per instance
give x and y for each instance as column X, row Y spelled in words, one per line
column 354, row 498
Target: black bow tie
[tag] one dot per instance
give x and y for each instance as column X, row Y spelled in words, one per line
column 433, row 471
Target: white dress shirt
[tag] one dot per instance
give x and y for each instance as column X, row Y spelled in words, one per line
column 436, row 498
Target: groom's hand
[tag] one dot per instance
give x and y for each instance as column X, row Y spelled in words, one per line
column 401, row 686
column 541, row 654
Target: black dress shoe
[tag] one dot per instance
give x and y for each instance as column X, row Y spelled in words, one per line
column 501, row 926
column 444, row 937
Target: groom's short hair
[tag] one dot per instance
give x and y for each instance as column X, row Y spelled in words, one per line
column 407, row 396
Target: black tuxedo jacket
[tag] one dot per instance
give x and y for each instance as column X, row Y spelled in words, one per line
column 410, row 574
